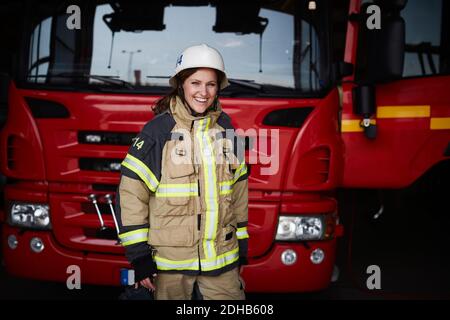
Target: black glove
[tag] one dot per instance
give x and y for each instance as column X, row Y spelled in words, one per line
column 144, row 267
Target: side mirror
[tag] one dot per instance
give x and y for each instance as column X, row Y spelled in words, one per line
column 386, row 51
column 147, row 16
column 4, row 87
column 381, row 51
column 364, row 104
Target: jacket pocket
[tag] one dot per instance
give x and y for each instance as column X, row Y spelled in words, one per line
column 227, row 240
column 180, row 171
column 178, row 186
column 175, row 236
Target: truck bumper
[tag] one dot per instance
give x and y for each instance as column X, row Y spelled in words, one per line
column 53, row 262
column 266, row 274
column 269, row 274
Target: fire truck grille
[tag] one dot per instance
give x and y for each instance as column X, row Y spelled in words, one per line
column 85, row 222
column 89, row 208
column 96, row 164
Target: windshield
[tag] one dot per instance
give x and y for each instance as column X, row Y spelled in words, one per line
column 269, row 47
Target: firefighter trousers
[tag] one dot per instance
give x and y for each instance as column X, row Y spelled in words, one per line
column 175, row 286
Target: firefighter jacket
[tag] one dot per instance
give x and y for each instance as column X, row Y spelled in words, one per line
column 183, row 196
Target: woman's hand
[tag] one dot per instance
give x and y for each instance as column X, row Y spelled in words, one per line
column 147, row 283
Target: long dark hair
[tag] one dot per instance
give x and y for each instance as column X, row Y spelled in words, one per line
column 164, row 103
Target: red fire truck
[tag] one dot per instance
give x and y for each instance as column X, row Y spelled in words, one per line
column 327, row 94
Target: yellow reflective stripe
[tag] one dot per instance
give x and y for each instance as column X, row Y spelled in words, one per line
column 135, row 236
column 177, row 190
column 193, row 264
column 226, row 187
column 440, row 123
column 166, row 264
column 225, row 191
column 211, row 183
column 130, row 233
column 242, row 233
column 240, row 172
column 353, row 125
column 213, row 186
column 147, row 169
column 175, row 194
column 200, row 141
column 435, row 123
column 138, row 167
column 403, row 112
column 211, row 196
column 142, row 176
column 220, row 261
column 177, row 185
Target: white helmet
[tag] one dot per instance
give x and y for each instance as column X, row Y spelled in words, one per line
column 200, row 56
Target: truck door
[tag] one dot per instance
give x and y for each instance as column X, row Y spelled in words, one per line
column 412, row 115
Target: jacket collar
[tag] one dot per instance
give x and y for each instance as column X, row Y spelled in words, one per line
column 182, row 115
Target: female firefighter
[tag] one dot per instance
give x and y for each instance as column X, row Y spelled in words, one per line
column 183, row 195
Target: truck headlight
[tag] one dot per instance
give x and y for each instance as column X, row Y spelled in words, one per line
column 30, row 215
column 292, row 228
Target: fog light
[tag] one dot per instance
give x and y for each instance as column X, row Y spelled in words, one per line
column 12, row 241
column 317, row 256
column 289, row 257
column 36, row 245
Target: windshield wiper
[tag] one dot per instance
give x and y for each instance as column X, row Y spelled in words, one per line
column 247, row 84
column 259, row 89
column 111, row 79
column 262, row 88
column 240, row 82
column 105, row 79
column 159, row 77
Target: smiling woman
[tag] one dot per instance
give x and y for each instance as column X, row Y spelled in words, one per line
column 183, row 215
